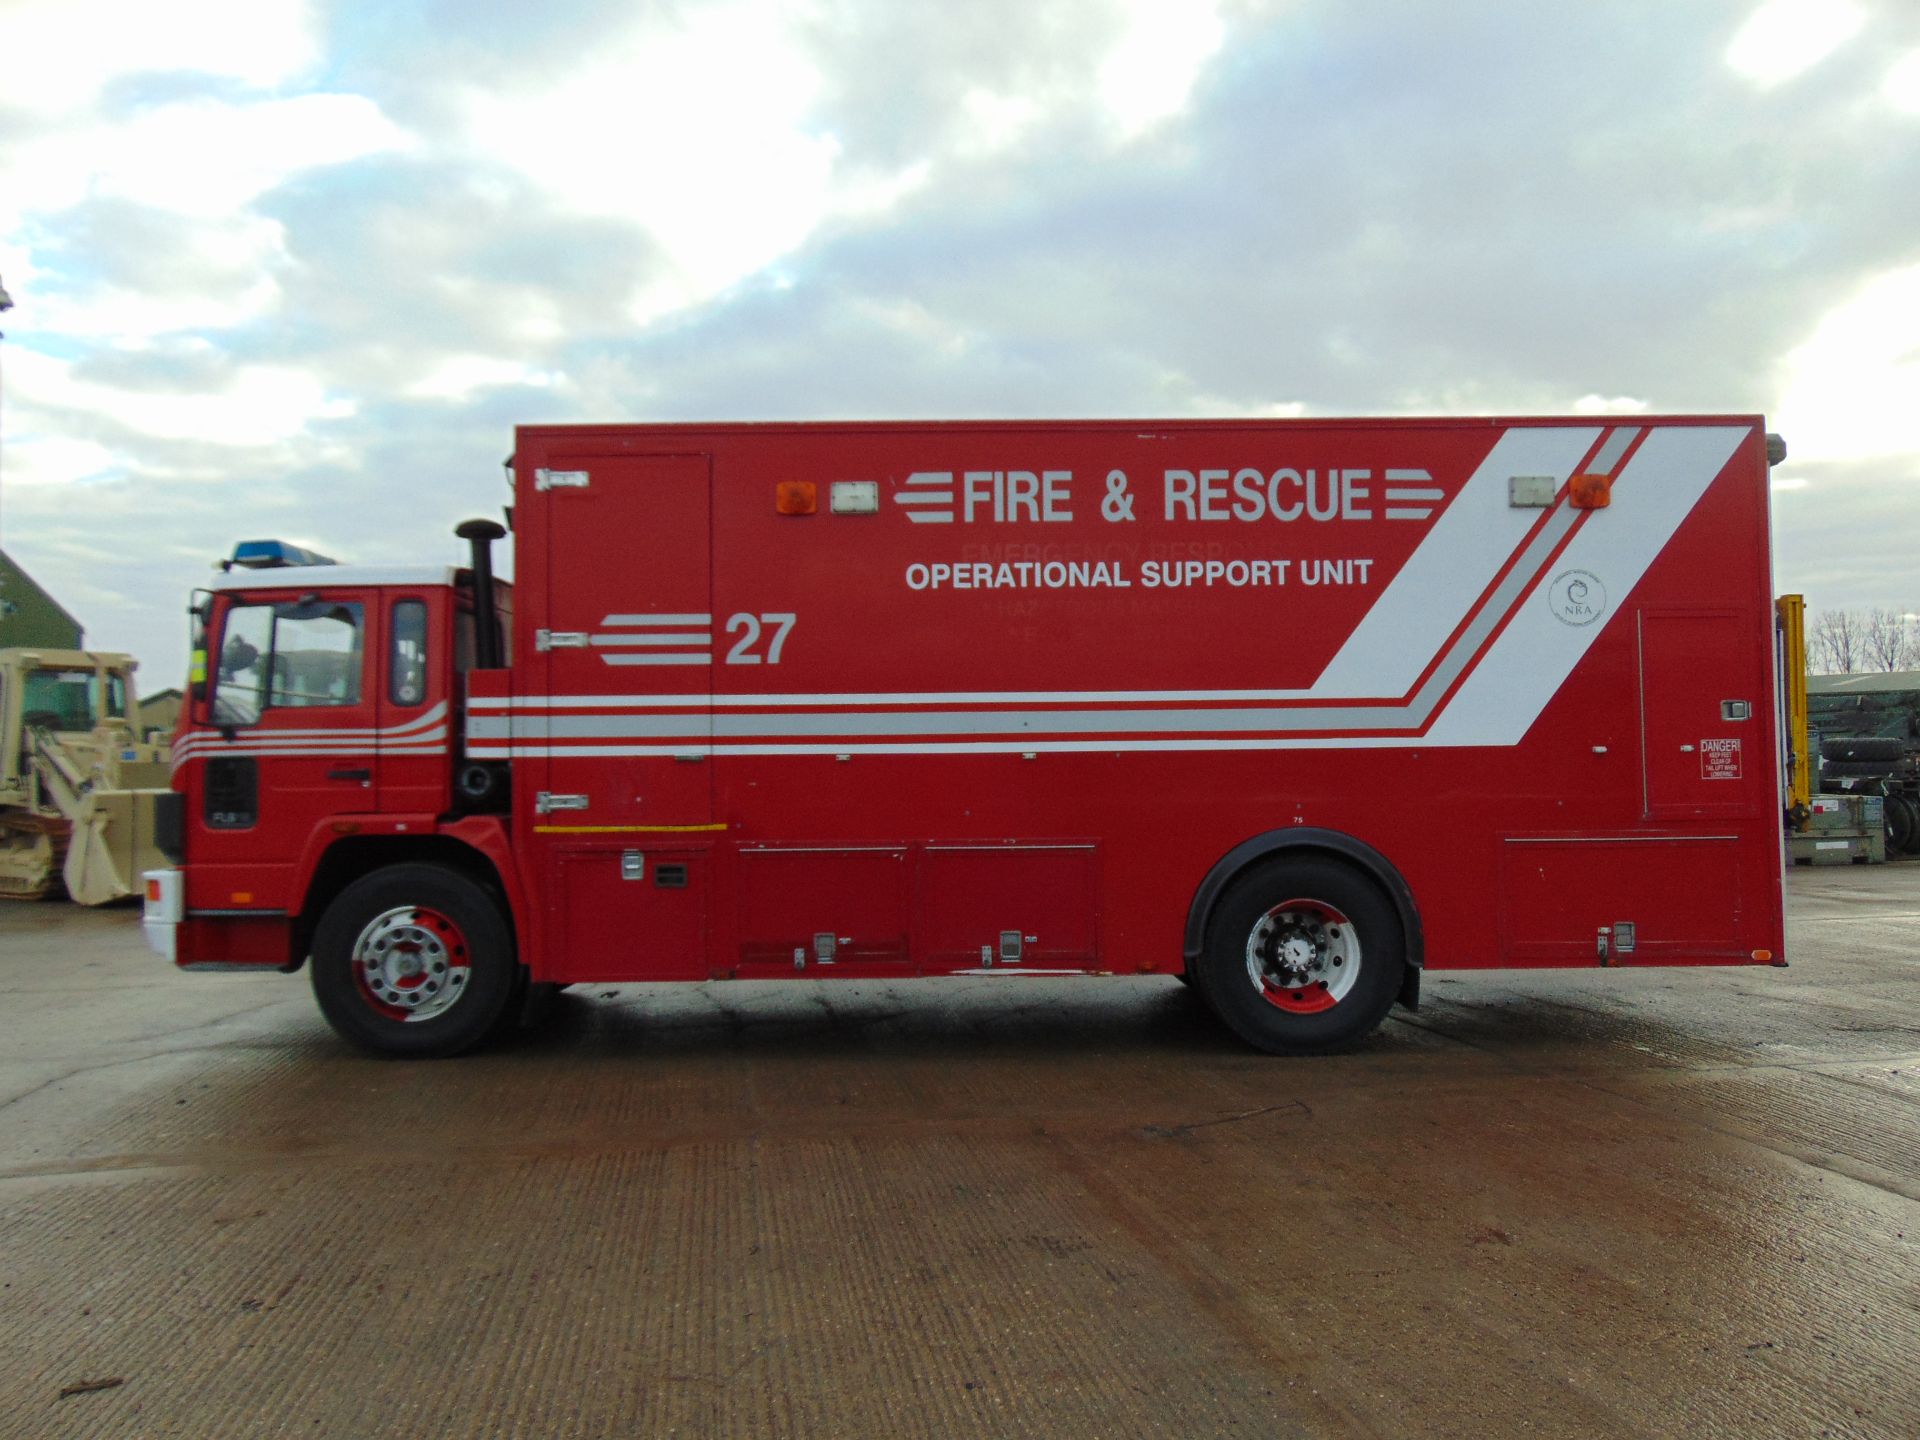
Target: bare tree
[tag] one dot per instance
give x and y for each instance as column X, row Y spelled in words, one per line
column 1886, row 640
column 1834, row 643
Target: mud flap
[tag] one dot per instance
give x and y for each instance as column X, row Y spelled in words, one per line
column 1409, row 995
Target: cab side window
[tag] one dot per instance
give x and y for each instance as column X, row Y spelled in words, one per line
column 291, row 655
column 407, row 655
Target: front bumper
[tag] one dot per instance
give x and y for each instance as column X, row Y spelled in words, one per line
column 164, row 910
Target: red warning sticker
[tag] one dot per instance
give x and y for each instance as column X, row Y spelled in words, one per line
column 1720, row 759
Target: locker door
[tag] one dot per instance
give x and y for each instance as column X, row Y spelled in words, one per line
column 1705, row 712
column 629, row 663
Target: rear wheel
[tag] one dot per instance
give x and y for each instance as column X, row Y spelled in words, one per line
column 1302, row 956
column 414, row 960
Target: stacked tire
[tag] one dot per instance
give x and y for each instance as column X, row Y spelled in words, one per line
column 1877, row 764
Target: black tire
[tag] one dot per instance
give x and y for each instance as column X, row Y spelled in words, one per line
column 1857, row 769
column 413, row 918
column 1902, row 822
column 1862, row 747
column 1328, row 917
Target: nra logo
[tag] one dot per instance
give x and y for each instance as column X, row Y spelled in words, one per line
column 1577, row 597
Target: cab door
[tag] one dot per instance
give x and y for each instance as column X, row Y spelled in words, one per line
column 290, row 741
column 628, row 657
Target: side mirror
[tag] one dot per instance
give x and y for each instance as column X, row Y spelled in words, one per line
column 200, row 613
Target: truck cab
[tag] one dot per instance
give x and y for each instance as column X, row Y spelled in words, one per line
column 318, row 745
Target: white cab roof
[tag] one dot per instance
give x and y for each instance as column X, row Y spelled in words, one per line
column 326, row 577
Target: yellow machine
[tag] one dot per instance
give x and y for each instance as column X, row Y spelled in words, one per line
column 1791, row 620
column 78, row 787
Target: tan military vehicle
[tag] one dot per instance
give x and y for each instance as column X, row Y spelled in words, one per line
column 79, row 788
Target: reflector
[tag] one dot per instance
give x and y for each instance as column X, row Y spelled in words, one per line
column 1590, row 492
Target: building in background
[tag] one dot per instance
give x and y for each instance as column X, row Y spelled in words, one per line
column 29, row 615
column 160, row 713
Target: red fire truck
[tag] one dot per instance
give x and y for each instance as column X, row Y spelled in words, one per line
column 1294, row 710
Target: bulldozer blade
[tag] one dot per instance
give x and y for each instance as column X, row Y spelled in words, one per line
column 112, row 845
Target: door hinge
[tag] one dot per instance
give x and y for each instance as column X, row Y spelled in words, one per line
column 560, row 480
column 545, row 640
column 545, row 802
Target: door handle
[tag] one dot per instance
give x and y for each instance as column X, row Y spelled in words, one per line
column 362, row 775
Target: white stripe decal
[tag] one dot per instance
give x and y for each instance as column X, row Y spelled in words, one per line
column 1438, row 586
column 431, row 717
column 906, row 698
column 340, row 752
column 1115, row 746
column 1537, row 652
column 691, row 637
column 426, row 729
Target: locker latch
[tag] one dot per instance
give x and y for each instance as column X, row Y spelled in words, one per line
column 545, row 802
column 560, row 480
column 545, row 640
column 633, row 865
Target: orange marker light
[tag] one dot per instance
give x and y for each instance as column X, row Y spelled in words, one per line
column 243, row 897
column 1591, row 492
column 794, row 497
column 153, row 891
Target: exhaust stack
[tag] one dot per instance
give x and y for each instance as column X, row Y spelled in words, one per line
column 480, row 534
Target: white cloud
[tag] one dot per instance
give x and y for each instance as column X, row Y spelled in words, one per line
column 1608, row 405
column 34, row 461
column 1784, row 38
column 258, row 404
column 1852, row 390
column 993, row 120
column 229, row 282
column 61, row 53
column 458, row 376
column 702, row 129
column 1148, row 76
column 202, row 163
column 1902, row 85
column 203, row 157
column 698, row 133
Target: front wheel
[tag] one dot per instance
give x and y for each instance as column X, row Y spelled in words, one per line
column 1302, row 956
column 414, row 960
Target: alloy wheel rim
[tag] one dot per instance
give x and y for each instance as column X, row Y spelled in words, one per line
column 1303, row 956
column 411, row 964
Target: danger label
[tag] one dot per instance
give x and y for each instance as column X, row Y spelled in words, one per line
column 1720, row 759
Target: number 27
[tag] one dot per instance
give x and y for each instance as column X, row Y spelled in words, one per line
column 745, row 650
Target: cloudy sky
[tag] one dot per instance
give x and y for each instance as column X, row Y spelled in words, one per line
column 296, row 267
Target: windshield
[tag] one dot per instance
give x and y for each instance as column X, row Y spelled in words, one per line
column 287, row 655
column 69, row 699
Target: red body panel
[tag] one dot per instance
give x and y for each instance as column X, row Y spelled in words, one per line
column 1016, row 713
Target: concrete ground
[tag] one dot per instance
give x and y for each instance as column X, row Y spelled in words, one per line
column 1575, row 1204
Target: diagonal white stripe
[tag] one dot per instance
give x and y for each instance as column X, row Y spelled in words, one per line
column 1537, row 651
column 1459, row 556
